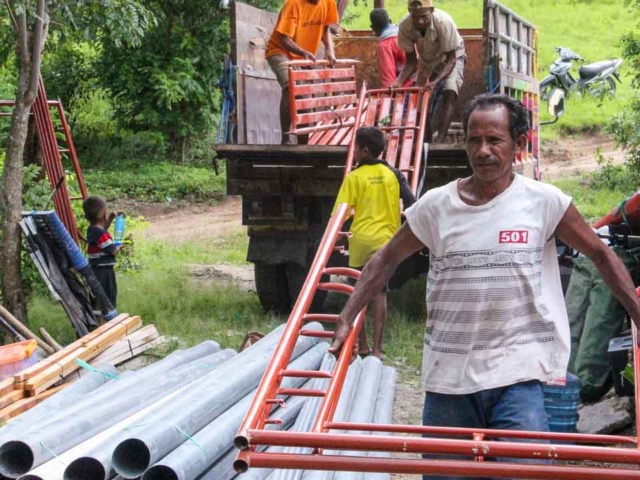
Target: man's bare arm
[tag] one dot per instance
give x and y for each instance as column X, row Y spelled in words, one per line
column 575, row 232
column 449, row 65
column 375, row 276
column 293, row 47
column 410, row 67
column 327, row 41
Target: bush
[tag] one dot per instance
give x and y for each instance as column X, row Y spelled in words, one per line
column 156, row 182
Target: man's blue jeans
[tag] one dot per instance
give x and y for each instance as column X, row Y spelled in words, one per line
column 516, row 407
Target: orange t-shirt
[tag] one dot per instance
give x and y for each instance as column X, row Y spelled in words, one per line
column 305, row 23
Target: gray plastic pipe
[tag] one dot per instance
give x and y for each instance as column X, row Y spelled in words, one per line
column 54, row 469
column 384, row 414
column 95, row 462
column 308, row 416
column 187, row 461
column 216, row 393
column 343, row 410
column 71, row 394
column 98, row 462
column 29, row 450
column 67, row 407
column 363, row 406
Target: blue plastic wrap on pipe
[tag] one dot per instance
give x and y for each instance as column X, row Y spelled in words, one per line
column 79, row 262
column 65, row 240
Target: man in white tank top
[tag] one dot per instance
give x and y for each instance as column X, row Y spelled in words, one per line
column 496, row 323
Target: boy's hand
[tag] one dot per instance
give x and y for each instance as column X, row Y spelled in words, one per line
column 112, row 217
column 341, row 334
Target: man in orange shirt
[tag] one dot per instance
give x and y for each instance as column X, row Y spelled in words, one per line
column 301, row 26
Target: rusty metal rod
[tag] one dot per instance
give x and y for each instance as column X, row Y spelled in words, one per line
column 465, row 469
column 469, row 432
column 447, row 446
column 281, row 357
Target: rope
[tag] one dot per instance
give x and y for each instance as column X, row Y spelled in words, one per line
column 81, row 363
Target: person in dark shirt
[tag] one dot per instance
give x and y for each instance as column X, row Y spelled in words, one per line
column 101, row 248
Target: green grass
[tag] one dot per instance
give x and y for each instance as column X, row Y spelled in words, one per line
column 590, row 28
column 156, row 182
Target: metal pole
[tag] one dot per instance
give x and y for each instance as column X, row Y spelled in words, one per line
column 187, row 461
column 452, row 468
column 282, row 354
column 170, row 427
column 447, row 446
column 384, row 413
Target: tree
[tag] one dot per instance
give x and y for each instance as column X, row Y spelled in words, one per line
column 624, row 126
column 170, row 84
column 122, row 22
column 29, row 26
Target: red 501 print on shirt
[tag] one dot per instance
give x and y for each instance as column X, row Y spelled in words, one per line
column 514, row 236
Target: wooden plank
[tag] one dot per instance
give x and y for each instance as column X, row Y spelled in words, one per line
column 324, row 88
column 21, row 406
column 128, row 343
column 64, row 367
column 323, row 74
column 6, row 386
column 69, row 349
column 319, row 102
column 123, row 357
column 11, row 397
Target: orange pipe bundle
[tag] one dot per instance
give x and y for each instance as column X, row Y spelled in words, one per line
column 631, row 207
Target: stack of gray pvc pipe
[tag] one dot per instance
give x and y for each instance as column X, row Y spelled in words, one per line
column 176, row 419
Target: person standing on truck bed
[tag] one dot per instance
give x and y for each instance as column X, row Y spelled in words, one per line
column 496, row 324
column 301, row 26
column 391, row 58
column 440, row 59
column 374, row 190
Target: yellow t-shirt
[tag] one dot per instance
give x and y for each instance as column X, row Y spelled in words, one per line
column 373, row 191
column 305, row 23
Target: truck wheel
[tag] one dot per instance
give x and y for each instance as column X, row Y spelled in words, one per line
column 272, row 287
column 296, row 275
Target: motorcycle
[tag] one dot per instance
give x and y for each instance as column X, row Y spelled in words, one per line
column 595, row 79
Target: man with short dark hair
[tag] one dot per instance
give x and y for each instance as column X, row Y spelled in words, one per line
column 391, row 58
column 497, row 326
column 440, row 60
column 301, row 26
column 374, row 190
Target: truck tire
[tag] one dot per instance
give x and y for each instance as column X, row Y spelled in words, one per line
column 296, row 275
column 272, row 287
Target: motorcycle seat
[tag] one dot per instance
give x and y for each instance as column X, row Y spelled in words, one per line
column 593, row 69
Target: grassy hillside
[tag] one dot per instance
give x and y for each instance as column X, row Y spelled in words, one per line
column 591, row 28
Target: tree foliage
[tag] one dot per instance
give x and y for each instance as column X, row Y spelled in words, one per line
column 169, row 84
column 625, row 127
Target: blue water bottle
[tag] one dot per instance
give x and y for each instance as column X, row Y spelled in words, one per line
column 118, row 229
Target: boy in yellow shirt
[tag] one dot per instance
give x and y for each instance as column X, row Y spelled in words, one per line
column 374, row 190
